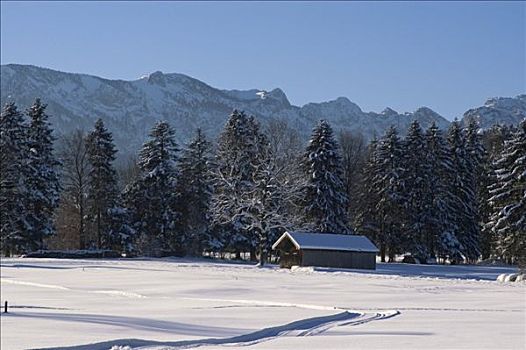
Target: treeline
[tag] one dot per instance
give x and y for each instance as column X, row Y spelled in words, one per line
column 457, row 196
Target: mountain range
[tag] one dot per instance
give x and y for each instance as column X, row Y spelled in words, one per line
column 130, row 108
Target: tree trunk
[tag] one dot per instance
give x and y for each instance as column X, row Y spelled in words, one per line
column 81, row 226
column 99, row 238
column 391, row 253
column 262, row 255
column 7, row 250
column 253, row 256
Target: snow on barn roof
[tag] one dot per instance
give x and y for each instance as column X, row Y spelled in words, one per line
column 328, row 241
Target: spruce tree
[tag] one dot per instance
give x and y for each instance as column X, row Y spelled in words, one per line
column 152, row 198
column 417, row 179
column 463, row 188
column 103, row 192
column 440, row 235
column 508, row 220
column 15, row 218
column 44, row 179
column 325, row 202
column 389, row 187
column 195, row 190
column 367, row 221
column 493, row 139
column 120, row 234
column 476, row 176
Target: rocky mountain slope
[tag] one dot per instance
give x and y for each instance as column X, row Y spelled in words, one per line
column 130, row 108
column 499, row 110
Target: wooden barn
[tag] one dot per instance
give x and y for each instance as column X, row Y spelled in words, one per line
column 326, row 250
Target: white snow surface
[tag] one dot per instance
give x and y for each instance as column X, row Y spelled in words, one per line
column 326, row 241
column 197, row 303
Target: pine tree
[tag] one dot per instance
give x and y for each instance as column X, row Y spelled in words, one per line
column 152, row 198
column 15, row 219
column 44, row 179
column 508, row 199
column 463, row 187
column 103, row 192
column 389, row 187
column 195, row 191
column 325, row 201
column 417, row 176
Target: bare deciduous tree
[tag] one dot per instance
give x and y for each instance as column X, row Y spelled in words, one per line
column 127, row 171
column 71, row 221
column 285, row 142
column 353, row 150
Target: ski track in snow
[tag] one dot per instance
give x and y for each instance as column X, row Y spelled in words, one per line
column 32, row 284
column 118, row 293
column 270, row 303
column 302, row 328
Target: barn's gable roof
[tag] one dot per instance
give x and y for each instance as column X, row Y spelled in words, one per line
column 328, row 241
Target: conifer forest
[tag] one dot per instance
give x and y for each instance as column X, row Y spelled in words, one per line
column 455, row 195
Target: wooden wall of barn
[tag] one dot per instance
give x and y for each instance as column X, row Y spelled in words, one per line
column 342, row 259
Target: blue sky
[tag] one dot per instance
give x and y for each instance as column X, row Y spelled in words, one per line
column 449, row 56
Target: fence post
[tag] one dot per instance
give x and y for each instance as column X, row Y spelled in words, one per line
column 5, row 307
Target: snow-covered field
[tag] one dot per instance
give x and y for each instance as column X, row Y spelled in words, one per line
column 169, row 303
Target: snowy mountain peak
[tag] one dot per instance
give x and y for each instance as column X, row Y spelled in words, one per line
column 344, row 101
column 426, row 113
column 425, row 116
column 262, row 94
column 157, row 78
column 389, row 112
column 348, row 104
column 339, row 105
column 279, row 96
column 426, row 110
column 506, row 102
column 502, row 110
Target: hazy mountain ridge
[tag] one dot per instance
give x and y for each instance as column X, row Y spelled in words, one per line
column 130, row 108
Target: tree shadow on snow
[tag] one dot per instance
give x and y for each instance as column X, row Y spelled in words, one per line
column 402, row 333
column 305, row 327
column 136, row 323
column 465, row 272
